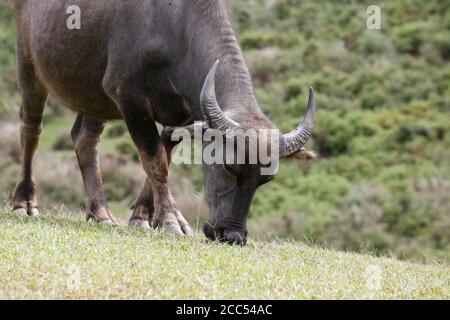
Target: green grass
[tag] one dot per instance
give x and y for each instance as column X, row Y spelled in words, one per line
column 59, row 126
column 53, row 129
column 382, row 180
column 56, row 256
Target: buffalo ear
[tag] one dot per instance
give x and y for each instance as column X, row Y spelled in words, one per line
column 166, row 135
column 303, row 155
column 196, row 126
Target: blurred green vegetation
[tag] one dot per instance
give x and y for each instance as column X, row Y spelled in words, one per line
column 382, row 182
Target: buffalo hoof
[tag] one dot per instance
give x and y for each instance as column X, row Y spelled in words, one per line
column 173, row 229
column 139, row 224
column 32, row 212
column 20, row 211
column 174, row 224
column 184, row 225
column 187, row 230
column 102, row 216
column 108, row 222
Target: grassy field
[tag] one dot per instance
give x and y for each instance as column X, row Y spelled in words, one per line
column 382, row 180
column 61, row 257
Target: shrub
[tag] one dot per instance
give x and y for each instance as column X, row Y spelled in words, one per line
column 63, row 143
column 10, row 142
column 128, row 149
column 375, row 42
column 117, row 130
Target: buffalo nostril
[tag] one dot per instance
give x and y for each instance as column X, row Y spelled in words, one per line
column 234, row 237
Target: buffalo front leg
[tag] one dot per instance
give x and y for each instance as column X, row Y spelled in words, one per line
column 155, row 161
column 86, row 138
column 34, row 97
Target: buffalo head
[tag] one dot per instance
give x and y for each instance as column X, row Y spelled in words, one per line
column 231, row 185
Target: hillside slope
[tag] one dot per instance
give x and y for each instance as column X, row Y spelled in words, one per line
column 65, row 258
column 382, row 180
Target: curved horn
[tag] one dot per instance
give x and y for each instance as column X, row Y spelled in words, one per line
column 211, row 111
column 292, row 142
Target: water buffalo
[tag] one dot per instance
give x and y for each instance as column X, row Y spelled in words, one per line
column 144, row 61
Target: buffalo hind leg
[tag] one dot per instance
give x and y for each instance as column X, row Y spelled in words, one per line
column 86, row 138
column 143, row 208
column 34, row 97
column 154, row 158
